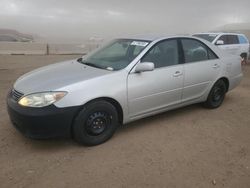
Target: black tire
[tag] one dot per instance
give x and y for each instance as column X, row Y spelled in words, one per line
column 95, row 123
column 243, row 58
column 216, row 95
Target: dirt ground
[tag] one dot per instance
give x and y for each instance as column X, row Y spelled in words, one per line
column 188, row 147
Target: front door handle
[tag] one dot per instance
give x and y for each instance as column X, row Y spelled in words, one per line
column 177, row 73
column 216, row 66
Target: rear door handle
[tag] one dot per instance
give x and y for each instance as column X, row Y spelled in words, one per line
column 216, row 66
column 177, row 74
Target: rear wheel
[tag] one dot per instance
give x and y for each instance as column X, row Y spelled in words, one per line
column 95, row 123
column 216, row 95
column 243, row 58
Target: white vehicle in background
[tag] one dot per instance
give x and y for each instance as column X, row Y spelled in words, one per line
column 233, row 43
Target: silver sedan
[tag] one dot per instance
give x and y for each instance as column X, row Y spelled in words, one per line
column 126, row 80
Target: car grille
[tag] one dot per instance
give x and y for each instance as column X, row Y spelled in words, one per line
column 16, row 95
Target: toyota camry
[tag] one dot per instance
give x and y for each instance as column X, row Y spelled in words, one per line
column 123, row 81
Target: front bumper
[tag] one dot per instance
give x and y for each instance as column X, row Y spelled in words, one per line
column 39, row 123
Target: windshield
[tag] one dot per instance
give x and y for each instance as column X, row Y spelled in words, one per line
column 208, row 37
column 116, row 55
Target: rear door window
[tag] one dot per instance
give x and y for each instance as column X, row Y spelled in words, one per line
column 233, row 39
column 229, row 39
column 195, row 51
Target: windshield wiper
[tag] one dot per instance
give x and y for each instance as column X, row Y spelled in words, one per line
column 92, row 65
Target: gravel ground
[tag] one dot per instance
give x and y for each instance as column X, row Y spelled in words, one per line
column 188, row 147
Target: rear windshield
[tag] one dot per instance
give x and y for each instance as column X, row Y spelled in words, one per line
column 208, row 37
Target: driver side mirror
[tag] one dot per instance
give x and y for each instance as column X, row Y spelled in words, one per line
column 219, row 42
column 145, row 66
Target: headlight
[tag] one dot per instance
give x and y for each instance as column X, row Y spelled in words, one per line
column 41, row 99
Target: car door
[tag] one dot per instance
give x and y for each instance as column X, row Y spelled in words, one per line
column 201, row 68
column 154, row 90
column 225, row 46
column 234, row 46
column 231, row 44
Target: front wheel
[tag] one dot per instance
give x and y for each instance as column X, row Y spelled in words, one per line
column 96, row 123
column 216, row 95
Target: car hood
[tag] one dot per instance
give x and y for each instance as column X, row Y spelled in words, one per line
column 56, row 76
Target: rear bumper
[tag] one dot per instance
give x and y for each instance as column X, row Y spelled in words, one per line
column 39, row 123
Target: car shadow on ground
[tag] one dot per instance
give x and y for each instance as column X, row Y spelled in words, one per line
column 46, row 145
column 164, row 116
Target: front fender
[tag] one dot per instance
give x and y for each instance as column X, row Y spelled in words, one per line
column 108, row 86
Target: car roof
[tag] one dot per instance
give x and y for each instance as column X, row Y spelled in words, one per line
column 153, row 38
column 218, row 33
column 158, row 37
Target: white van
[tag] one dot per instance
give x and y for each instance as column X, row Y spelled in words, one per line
column 233, row 43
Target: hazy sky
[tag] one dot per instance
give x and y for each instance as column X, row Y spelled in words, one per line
column 81, row 19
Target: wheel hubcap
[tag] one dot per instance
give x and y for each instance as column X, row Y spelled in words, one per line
column 218, row 94
column 97, row 123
